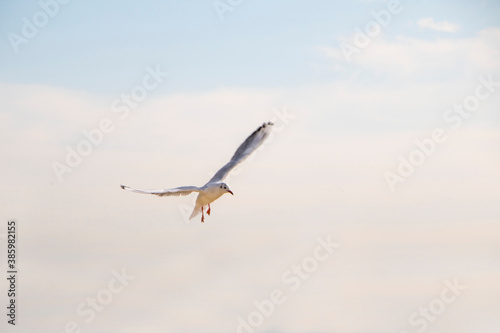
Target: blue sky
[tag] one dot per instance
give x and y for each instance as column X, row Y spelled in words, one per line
column 86, row 48
column 354, row 156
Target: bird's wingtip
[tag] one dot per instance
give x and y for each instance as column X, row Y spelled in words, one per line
column 122, row 186
column 264, row 125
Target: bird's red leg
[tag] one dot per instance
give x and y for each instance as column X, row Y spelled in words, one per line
column 208, row 211
column 202, row 215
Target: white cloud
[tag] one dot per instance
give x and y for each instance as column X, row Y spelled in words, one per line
column 238, row 255
column 416, row 58
column 429, row 23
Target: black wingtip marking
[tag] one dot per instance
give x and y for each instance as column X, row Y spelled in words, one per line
column 265, row 124
column 122, row 186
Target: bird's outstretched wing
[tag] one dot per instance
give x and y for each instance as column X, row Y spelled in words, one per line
column 244, row 150
column 182, row 190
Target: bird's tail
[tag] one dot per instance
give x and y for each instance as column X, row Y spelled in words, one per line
column 196, row 211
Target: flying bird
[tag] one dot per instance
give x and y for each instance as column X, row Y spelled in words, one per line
column 215, row 187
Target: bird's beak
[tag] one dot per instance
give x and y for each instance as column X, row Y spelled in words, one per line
column 230, row 192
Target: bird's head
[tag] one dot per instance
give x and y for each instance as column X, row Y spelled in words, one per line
column 226, row 188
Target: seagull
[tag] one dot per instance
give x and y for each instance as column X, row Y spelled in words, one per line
column 215, row 187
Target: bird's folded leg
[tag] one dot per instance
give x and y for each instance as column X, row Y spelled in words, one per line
column 209, row 210
column 202, row 215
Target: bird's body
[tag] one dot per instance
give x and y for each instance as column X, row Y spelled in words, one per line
column 209, row 194
column 214, row 188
